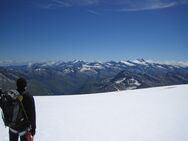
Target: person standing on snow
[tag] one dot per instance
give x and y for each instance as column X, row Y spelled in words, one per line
column 27, row 131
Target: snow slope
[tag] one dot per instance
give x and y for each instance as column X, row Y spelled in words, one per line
column 154, row 114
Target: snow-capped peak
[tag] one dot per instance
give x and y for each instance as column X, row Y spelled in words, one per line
column 171, row 63
column 140, row 62
column 128, row 63
column 99, row 65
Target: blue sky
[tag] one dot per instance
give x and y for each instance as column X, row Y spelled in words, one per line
column 93, row 30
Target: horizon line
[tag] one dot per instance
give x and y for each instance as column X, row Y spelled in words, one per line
column 15, row 62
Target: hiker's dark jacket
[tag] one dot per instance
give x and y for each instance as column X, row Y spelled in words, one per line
column 29, row 105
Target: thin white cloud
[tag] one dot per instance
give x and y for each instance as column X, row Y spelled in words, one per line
column 149, row 6
column 87, row 2
column 54, row 4
column 120, row 5
column 94, row 12
column 62, row 3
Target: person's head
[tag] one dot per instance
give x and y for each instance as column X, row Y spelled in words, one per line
column 21, row 84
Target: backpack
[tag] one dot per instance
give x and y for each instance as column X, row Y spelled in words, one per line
column 13, row 112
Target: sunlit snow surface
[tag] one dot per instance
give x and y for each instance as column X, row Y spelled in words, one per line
column 154, row 114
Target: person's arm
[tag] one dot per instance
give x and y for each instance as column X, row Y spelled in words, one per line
column 33, row 119
column 32, row 115
column 0, row 97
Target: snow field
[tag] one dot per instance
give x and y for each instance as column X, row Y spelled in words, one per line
column 157, row 114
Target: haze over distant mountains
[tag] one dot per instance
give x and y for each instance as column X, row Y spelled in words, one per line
column 80, row 77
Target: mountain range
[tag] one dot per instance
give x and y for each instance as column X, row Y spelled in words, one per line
column 80, row 77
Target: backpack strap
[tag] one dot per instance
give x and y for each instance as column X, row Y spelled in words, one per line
column 20, row 99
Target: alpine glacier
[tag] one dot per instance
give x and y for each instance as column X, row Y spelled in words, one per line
column 152, row 114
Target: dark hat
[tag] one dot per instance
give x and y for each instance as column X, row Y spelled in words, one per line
column 21, row 83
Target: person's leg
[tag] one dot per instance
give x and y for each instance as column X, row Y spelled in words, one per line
column 13, row 136
column 23, row 138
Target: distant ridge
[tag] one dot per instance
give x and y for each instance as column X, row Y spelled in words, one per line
column 128, row 62
column 80, row 77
